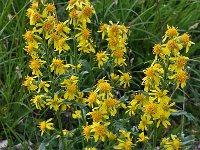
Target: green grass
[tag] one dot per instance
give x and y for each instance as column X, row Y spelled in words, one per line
column 147, row 21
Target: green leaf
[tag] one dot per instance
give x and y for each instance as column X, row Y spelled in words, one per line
column 189, row 116
column 188, row 140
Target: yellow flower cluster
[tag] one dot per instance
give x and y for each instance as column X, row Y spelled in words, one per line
column 167, row 68
column 104, row 106
column 175, row 144
column 46, row 35
column 57, row 81
column 124, row 141
column 116, row 37
column 80, row 12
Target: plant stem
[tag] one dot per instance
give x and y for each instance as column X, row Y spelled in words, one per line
column 60, row 128
column 155, row 136
column 183, row 117
column 173, row 93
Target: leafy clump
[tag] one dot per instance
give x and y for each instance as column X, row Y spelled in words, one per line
column 96, row 114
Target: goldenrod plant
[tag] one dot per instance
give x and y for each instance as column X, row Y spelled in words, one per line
column 98, row 116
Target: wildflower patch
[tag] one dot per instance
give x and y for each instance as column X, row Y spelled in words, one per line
column 96, row 113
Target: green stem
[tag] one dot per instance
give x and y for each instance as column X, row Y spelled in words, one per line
column 183, row 117
column 155, row 136
column 60, row 128
column 166, row 66
column 173, row 93
column 79, row 126
column 59, row 120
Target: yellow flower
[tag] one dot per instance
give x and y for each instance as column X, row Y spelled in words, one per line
column 44, row 85
column 124, row 145
column 64, row 107
column 173, row 145
column 124, row 134
column 185, row 38
column 164, row 141
column 140, row 98
column 132, row 108
column 142, row 138
column 34, row 17
column 79, row 97
column 72, row 4
column 46, row 125
column 111, row 136
column 100, row 131
column 50, row 9
column 113, row 45
column 150, row 108
column 179, row 63
column 85, row 44
column 103, row 29
column 71, row 87
column 57, row 66
column 84, row 34
column 34, row 5
column 86, row 47
column 62, row 29
column 55, row 102
column 31, row 50
column 83, row 11
column 176, row 142
column 172, row 47
column 61, row 45
column 150, row 73
column 47, row 25
column 166, row 107
column 101, row 58
column 124, row 141
column 91, row 99
column 31, row 37
column 157, row 49
column 119, row 57
column 77, row 114
column 86, row 131
column 74, row 15
column 85, row 14
column 171, row 31
column 35, row 65
column 32, row 8
column 30, row 83
column 109, row 105
column 145, row 120
column 103, row 86
column 152, row 77
column 180, row 78
column 160, row 95
column 72, row 80
column 113, row 30
column 125, row 79
column 38, row 101
column 163, row 119
column 114, row 77
column 52, row 38
column 98, row 115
